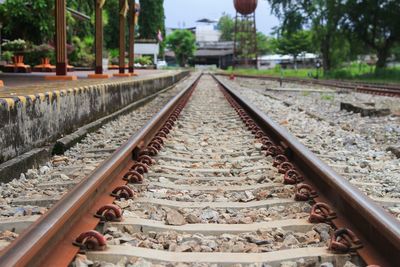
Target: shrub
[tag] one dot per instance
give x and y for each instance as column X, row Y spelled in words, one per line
column 34, row 55
column 17, row 45
column 7, row 56
column 144, row 61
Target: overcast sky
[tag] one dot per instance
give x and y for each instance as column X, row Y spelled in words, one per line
column 184, row 13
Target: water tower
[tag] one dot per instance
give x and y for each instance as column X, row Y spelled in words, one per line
column 245, row 39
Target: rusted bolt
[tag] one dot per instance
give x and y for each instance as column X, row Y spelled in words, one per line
column 173, row 117
column 271, row 151
column 91, row 240
column 161, row 135
column 140, row 168
column 292, row 177
column 164, row 130
column 133, row 177
column 156, row 145
column 321, row 213
column 278, row 160
column 259, row 134
column 249, row 122
column 255, row 129
column 343, row 241
column 150, row 151
column 124, row 192
column 168, row 125
column 305, row 192
column 171, row 122
column 109, row 213
column 158, row 139
column 265, row 139
column 251, row 126
column 146, row 160
column 284, row 167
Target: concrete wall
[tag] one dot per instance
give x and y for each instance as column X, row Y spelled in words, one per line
column 27, row 122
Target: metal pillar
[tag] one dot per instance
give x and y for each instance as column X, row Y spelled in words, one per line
column 99, row 37
column 124, row 8
column 61, row 38
column 245, row 52
column 121, row 38
column 132, row 12
column 99, row 40
column 61, row 43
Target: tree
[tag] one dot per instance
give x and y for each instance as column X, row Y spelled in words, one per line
column 226, row 25
column 294, row 44
column 111, row 29
column 376, row 23
column 322, row 16
column 30, row 20
column 183, row 43
column 264, row 44
column 151, row 19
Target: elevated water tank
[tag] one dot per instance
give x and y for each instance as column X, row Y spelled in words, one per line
column 245, row 7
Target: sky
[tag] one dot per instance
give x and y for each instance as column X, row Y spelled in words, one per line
column 184, row 13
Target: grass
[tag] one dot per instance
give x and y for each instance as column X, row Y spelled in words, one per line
column 354, row 72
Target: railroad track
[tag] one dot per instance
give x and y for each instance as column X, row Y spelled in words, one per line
column 391, row 90
column 211, row 180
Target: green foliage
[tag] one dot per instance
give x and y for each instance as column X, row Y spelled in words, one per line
column 7, row 56
column 151, row 18
column 144, row 60
column 183, row 43
column 226, row 25
column 294, row 43
column 111, row 29
column 376, row 23
column 82, row 55
column 36, row 53
column 327, row 97
column 354, row 71
column 321, row 16
column 29, row 20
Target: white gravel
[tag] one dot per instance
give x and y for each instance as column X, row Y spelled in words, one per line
column 352, row 145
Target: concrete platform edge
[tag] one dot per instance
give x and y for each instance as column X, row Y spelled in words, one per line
column 63, row 144
column 14, row 167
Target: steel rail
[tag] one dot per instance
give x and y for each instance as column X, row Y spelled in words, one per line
column 378, row 89
column 378, row 230
column 48, row 242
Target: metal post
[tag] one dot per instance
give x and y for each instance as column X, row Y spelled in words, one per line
column 61, row 38
column 99, row 38
column 235, row 41
column 61, row 43
column 122, row 17
column 132, row 12
column 255, row 39
column 121, row 39
column 98, row 43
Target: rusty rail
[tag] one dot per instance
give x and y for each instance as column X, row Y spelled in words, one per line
column 378, row 230
column 369, row 88
column 48, row 242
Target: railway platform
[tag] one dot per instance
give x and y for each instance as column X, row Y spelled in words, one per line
column 34, row 112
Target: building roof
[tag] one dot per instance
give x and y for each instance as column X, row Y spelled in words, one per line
column 215, row 45
column 277, row 57
column 213, row 53
column 205, row 20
